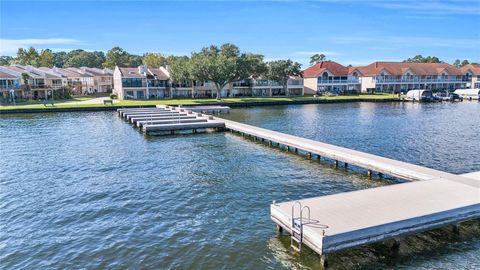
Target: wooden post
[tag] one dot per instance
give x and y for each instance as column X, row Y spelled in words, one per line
column 345, row 165
column 296, row 150
column 324, row 260
column 456, row 229
column 336, row 163
column 369, row 173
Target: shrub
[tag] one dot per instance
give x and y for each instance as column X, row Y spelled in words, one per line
column 113, row 96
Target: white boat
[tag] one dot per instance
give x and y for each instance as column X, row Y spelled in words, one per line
column 469, row 94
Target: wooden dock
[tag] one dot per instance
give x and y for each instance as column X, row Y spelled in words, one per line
column 331, row 223
column 167, row 120
column 203, row 109
column 372, row 163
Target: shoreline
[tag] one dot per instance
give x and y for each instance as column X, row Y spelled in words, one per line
column 230, row 104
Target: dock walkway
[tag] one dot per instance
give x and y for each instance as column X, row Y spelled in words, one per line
column 400, row 169
column 331, row 223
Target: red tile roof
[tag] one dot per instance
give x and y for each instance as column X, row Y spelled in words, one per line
column 474, row 68
column 330, row 66
column 400, row 68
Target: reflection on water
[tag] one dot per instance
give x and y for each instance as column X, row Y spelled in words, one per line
column 86, row 190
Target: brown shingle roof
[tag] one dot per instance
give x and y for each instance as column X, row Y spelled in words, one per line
column 4, row 75
column 158, row 73
column 474, row 68
column 330, row 66
column 130, row 72
column 399, row 68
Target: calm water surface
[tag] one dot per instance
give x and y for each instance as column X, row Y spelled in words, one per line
column 86, row 190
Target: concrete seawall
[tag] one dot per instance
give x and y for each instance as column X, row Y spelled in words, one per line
column 230, row 104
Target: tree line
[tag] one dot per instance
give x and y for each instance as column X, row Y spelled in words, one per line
column 416, row 59
column 221, row 65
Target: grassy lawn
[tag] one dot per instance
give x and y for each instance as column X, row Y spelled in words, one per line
column 39, row 105
column 35, row 102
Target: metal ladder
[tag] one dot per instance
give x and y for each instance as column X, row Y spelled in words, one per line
column 296, row 238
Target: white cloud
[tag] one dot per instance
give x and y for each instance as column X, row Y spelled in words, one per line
column 10, row 46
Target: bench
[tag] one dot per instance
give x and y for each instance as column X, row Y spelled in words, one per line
column 46, row 102
column 107, row 101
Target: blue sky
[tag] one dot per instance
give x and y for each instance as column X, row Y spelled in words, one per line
column 347, row 31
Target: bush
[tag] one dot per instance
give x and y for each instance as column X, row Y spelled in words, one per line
column 113, row 96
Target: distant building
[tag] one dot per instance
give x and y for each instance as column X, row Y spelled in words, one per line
column 154, row 83
column 141, row 83
column 471, row 72
column 101, row 79
column 331, row 77
column 387, row 77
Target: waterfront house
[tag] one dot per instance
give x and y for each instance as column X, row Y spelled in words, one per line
column 39, row 85
column 154, row 83
column 396, row 77
column 331, row 77
column 99, row 80
column 141, row 83
column 471, row 72
column 10, row 82
column 386, row 77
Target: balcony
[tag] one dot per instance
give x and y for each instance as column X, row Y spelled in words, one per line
column 419, row 80
column 339, row 81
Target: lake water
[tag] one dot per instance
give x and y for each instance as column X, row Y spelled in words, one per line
column 86, row 190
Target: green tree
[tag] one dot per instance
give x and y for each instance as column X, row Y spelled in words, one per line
column 46, row 58
column 59, row 59
column 29, row 56
column 317, row 58
column 5, row 60
column 420, row 59
column 134, row 60
column 280, row 70
column 81, row 58
column 457, row 63
column 25, row 78
column 117, row 57
column 464, row 63
column 221, row 65
column 154, row 60
column 181, row 71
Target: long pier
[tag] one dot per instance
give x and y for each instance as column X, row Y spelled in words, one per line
column 331, row 223
column 372, row 163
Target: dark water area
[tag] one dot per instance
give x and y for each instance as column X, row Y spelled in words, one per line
column 89, row 191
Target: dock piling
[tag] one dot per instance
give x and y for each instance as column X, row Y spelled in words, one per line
column 324, row 260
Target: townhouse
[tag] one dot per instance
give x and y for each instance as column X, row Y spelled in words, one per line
column 331, row 77
column 36, row 83
column 395, row 77
column 9, row 83
column 154, row 83
column 141, row 83
column 99, row 80
column 388, row 77
column 471, row 72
